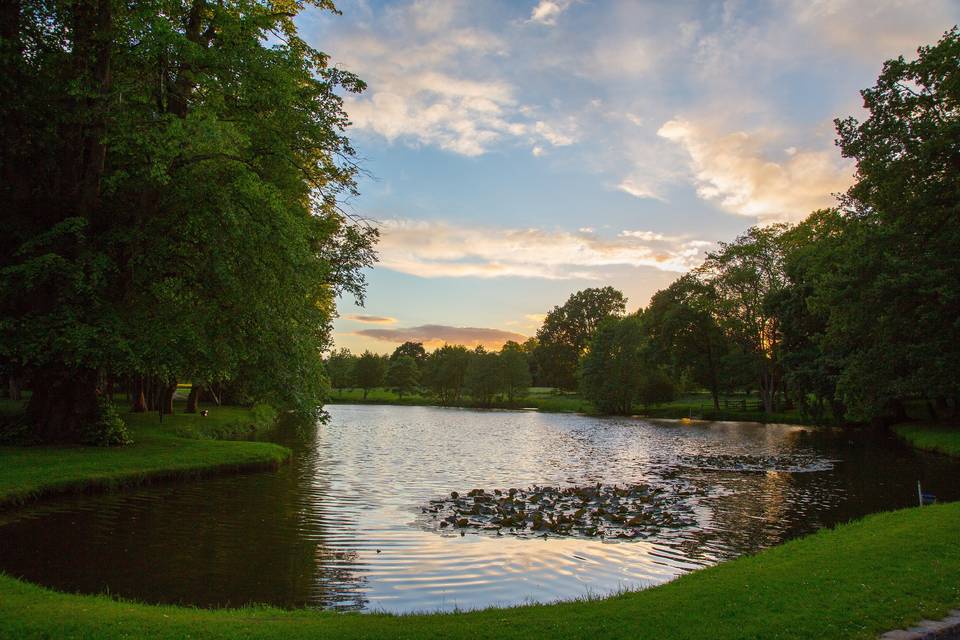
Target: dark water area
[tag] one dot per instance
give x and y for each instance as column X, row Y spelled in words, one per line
column 344, row 526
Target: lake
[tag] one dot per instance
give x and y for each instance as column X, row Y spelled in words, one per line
column 353, row 522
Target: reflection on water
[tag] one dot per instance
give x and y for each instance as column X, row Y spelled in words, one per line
column 340, row 527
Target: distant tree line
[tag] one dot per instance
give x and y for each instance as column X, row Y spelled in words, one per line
column 450, row 373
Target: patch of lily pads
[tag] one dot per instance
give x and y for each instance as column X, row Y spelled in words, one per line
column 612, row 512
column 797, row 463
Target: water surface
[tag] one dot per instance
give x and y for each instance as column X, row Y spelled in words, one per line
column 343, row 526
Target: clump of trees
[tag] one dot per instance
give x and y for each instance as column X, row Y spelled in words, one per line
column 850, row 314
column 169, row 173
column 450, row 373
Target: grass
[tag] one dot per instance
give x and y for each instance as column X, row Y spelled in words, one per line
column 182, row 446
column 884, row 572
column 931, row 437
column 549, row 400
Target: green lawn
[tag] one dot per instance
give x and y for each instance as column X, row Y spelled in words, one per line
column 940, row 438
column 856, row 581
column 181, row 447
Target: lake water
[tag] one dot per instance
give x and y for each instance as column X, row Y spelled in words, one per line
column 344, row 526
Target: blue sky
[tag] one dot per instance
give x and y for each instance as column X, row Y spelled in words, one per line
column 521, row 150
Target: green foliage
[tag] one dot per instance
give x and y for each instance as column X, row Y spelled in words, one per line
column 170, row 195
column 403, row 374
column 483, row 379
column 340, row 369
column 515, row 371
column 370, row 371
column 567, row 331
column 107, row 429
column 655, row 388
column 413, row 349
column 444, row 372
column 611, row 372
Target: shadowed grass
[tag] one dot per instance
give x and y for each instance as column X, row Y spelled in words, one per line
column 939, row 438
column 159, row 452
column 886, row 571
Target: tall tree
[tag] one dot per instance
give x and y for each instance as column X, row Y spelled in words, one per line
column 746, row 274
column 484, row 376
column 515, row 370
column 611, row 371
column 413, row 349
column 403, row 374
column 568, row 329
column 370, row 371
column 179, row 215
column 444, row 372
column 684, row 333
column 893, row 298
column 340, row 369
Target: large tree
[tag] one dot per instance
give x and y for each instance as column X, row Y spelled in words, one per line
column 170, row 181
column 612, row 371
column 568, row 329
column 892, row 298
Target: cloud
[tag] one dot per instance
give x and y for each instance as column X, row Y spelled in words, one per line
column 432, row 76
column 436, row 335
column 547, row 11
column 732, row 170
column 438, row 249
column 371, row 319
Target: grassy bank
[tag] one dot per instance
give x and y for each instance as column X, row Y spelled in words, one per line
column 699, row 405
column 184, row 445
column 930, row 437
column 884, row 572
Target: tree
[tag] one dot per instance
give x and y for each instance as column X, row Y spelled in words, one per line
column 655, row 387
column 370, row 371
column 340, row 369
column 484, row 377
column 567, row 330
column 403, row 374
column 745, row 274
column 611, row 371
column 170, row 175
column 892, row 299
column 684, row 334
column 515, row 370
column 444, row 372
column 413, row 349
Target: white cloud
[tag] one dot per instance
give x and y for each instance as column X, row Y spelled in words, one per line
column 438, row 249
column 433, row 79
column 547, row 11
column 732, row 170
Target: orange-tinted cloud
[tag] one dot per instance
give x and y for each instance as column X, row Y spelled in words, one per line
column 371, row 319
column 437, row 335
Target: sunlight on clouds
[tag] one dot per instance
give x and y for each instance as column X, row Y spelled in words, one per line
column 438, row 249
column 731, row 169
column 437, row 335
column 371, row 319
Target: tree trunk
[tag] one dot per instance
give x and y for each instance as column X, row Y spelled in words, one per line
column 14, row 387
column 193, row 399
column 139, row 397
column 62, row 403
column 166, row 397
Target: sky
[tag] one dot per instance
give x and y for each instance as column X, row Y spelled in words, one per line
column 515, row 152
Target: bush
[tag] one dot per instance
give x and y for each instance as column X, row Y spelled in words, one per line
column 108, row 429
